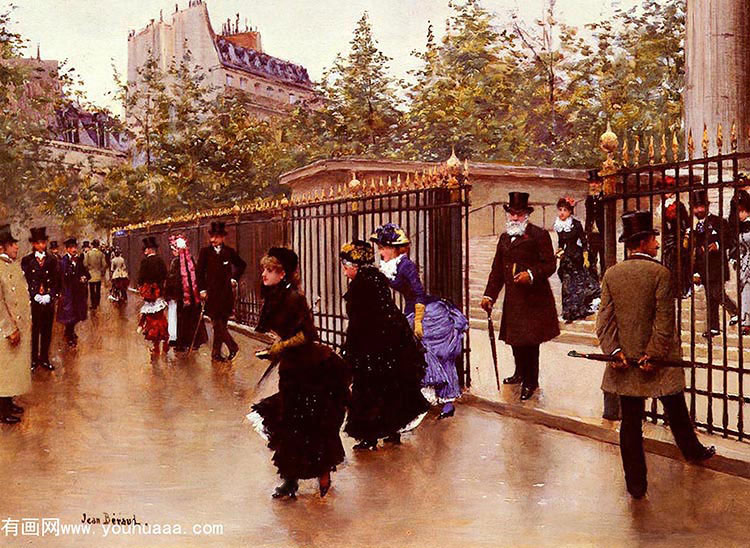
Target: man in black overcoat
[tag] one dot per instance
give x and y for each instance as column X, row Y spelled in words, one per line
column 219, row 268
column 524, row 261
column 594, row 226
column 710, row 260
column 43, row 278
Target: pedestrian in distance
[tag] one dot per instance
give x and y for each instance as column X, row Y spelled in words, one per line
column 524, row 261
column 437, row 323
column 151, row 277
column 302, row 421
column 119, row 277
column 43, row 278
column 219, row 269
column 96, row 263
column 15, row 328
column 72, row 304
column 636, row 321
column 386, row 359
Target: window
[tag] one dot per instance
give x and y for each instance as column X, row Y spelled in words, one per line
column 292, row 98
column 230, row 80
column 243, row 83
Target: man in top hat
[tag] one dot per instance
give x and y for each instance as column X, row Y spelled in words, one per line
column 15, row 317
column 594, row 226
column 43, row 278
column 72, row 303
column 524, row 260
column 96, row 263
column 710, row 261
column 636, row 321
column 54, row 249
column 219, row 268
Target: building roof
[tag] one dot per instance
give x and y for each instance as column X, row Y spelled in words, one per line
column 260, row 64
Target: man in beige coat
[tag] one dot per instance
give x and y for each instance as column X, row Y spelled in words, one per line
column 15, row 329
column 96, row 263
column 636, row 321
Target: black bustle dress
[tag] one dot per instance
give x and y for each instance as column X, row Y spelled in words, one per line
column 386, row 360
column 302, row 421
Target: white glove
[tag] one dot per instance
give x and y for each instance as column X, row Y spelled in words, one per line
column 39, row 299
column 46, row 299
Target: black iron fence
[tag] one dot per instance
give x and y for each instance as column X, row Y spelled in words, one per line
column 692, row 245
column 433, row 210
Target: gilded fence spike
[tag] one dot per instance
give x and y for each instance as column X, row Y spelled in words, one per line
column 407, row 181
column 330, row 193
column 466, row 168
column 398, row 181
column 663, row 148
column 690, row 145
column 675, row 147
column 284, row 201
column 733, row 137
column 373, row 187
column 637, row 151
column 390, row 183
column 704, row 141
column 625, row 153
column 651, row 149
column 719, row 139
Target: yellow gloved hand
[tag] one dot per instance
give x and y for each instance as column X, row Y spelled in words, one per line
column 418, row 317
column 278, row 347
column 586, row 262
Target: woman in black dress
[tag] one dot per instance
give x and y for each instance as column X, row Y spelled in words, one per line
column 676, row 233
column 386, row 360
column 580, row 290
column 302, row 421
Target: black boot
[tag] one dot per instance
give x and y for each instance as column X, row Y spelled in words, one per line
column 286, row 489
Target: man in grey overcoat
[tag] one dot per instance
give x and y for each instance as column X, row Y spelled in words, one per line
column 636, row 321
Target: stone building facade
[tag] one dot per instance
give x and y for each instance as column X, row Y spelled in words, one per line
column 233, row 60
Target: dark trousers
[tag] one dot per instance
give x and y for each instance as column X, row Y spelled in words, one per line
column 631, row 436
column 527, row 364
column 222, row 336
column 70, row 332
column 95, row 288
column 42, row 318
column 596, row 253
column 716, row 295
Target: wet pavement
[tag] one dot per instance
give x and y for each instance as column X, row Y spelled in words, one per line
column 110, row 431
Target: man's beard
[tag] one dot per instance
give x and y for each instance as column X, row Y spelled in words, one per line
column 516, row 228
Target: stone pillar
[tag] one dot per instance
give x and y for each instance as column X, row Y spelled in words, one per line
column 717, row 69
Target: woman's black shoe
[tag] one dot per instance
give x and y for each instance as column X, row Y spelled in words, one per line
column 286, row 489
column 16, row 409
column 515, row 379
column 10, row 419
column 366, row 445
column 394, row 439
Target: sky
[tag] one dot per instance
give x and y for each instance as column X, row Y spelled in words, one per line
column 92, row 34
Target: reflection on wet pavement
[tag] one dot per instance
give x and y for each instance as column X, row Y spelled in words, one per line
column 110, row 431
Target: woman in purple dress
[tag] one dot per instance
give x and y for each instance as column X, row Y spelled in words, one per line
column 436, row 322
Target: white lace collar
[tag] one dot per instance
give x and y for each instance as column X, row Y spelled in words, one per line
column 389, row 268
column 563, row 226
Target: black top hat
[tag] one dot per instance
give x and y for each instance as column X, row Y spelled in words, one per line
column 70, row 242
column 86, row 243
column 636, row 224
column 700, row 197
column 286, row 257
column 150, row 242
column 593, row 175
column 6, row 237
column 518, row 201
column 218, row 228
column 38, row 234
column 53, row 244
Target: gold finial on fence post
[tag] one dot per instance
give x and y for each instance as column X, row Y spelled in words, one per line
column 719, row 139
column 733, row 137
column 625, row 155
column 663, row 148
column 704, row 141
column 608, row 143
column 637, row 151
column 690, row 145
column 651, row 150
column 675, row 147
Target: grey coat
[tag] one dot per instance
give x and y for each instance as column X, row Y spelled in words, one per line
column 637, row 315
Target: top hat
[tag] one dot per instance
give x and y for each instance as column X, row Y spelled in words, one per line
column 518, row 201
column 6, row 237
column 70, row 242
column 218, row 228
column 38, row 234
column 593, row 175
column 150, row 242
column 358, row 252
column 390, row 234
column 636, row 224
column 95, row 243
column 86, row 243
column 53, row 244
column 286, row 257
column 700, row 197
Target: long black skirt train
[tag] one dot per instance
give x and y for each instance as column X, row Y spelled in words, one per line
column 302, row 421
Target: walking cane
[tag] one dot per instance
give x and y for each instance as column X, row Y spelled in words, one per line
column 493, row 346
column 197, row 328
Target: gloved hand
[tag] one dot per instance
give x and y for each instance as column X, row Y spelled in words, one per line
column 46, row 299
column 586, row 262
column 38, row 299
column 418, row 317
column 278, row 347
column 486, row 304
